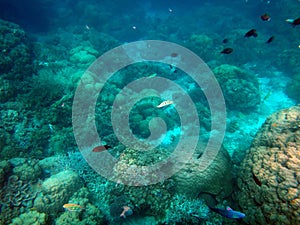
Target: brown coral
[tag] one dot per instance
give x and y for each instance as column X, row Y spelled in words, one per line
column 268, row 183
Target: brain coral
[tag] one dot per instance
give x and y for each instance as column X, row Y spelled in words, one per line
column 268, row 183
column 214, row 180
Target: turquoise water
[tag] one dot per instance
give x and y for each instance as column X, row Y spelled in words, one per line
column 100, row 125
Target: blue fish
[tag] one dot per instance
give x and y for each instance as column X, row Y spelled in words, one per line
column 229, row 213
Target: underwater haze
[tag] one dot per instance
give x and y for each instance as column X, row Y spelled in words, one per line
column 150, row 112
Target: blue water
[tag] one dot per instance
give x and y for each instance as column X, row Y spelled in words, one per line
column 46, row 50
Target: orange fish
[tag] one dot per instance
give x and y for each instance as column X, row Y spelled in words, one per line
column 101, row 148
column 73, row 207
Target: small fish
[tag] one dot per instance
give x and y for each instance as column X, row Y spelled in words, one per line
column 229, row 213
column 270, row 40
column 152, row 75
column 227, row 51
column 165, row 103
column 172, row 68
column 225, row 40
column 294, row 22
column 174, row 54
column 250, row 33
column 127, row 211
column 73, row 207
column 101, row 148
column 267, row 96
column 265, row 17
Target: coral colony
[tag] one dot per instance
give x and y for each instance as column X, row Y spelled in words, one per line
column 252, row 49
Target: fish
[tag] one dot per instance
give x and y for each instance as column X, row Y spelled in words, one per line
column 227, row 51
column 265, row 17
column 73, row 207
column 101, row 148
column 127, row 211
column 152, row 75
column 250, row 33
column 174, row 54
column 229, row 213
column 294, row 22
column 225, row 40
column 165, row 103
column 270, row 40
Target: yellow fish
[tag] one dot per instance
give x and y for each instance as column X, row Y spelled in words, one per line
column 165, row 103
column 73, row 207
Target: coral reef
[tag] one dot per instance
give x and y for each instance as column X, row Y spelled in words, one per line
column 268, row 183
column 31, row 217
column 240, row 88
column 83, row 55
column 186, row 211
column 88, row 215
column 16, row 197
column 5, row 169
column 56, row 191
column 15, row 55
column 215, row 180
column 26, row 169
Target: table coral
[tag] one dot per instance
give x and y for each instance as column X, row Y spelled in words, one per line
column 268, row 183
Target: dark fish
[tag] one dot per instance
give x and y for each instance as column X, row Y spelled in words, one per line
column 101, row 148
column 174, row 54
column 250, row 33
column 225, row 40
column 256, row 180
column 294, row 22
column 270, row 40
column 229, row 213
column 227, row 51
column 265, row 17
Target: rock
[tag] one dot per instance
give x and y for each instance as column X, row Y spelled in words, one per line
column 215, row 180
column 56, row 191
column 268, row 183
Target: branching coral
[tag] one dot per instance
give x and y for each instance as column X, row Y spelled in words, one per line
column 186, row 211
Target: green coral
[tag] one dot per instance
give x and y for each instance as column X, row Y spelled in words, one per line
column 56, row 191
column 26, row 169
column 31, row 217
column 88, row 215
column 83, row 55
column 240, row 88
